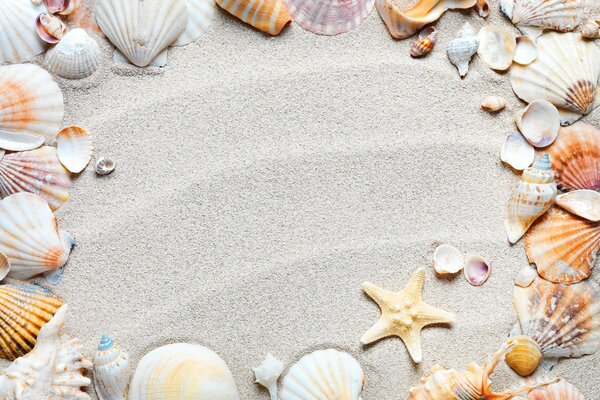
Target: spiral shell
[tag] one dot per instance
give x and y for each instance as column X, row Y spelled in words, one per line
column 424, row 44
column 461, row 50
column 111, row 370
column 77, row 56
column 50, row 28
column 268, row 373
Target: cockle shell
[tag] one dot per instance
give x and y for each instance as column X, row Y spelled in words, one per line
column 583, row 203
column 590, row 30
column 142, row 30
column 565, row 73
column 62, row 7
column 525, row 357
column 201, row 14
column 111, row 370
column 30, row 238
column 560, row 15
column 562, row 390
column 269, row 16
column 104, row 166
column 525, row 276
column 74, row 148
column 329, row 17
column 38, row 172
column 493, row 104
column 24, row 309
column 517, row 151
column 31, row 107
column 324, row 375
column 50, row 28
column 461, row 50
column 447, row 259
column 52, row 370
column 167, row 372
column 533, row 196
column 423, row 45
column 20, row 41
column 483, row 8
column 496, row 47
column 268, row 373
column 564, row 247
column 539, row 122
column 526, row 51
column 77, row 56
column 477, row 270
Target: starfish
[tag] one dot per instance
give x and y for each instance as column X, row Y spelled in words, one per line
column 404, row 314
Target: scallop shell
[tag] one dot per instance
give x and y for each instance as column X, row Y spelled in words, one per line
column 560, row 15
column 563, row 246
column 268, row 16
column 533, row 196
column 493, row 104
column 483, row 8
column 74, row 148
column 20, row 41
column 31, row 107
column 423, row 45
column 38, row 172
column 526, row 51
column 517, row 151
column 50, row 28
column 461, row 50
column 77, row 56
column 168, row 371
column 562, row 390
column 447, row 259
column 268, row 373
column 329, row 17
column 201, row 15
column 111, row 370
column 539, row 122
column 142, row 30
column 565, row 73
column 30, row 238
column 583, row 203
column 525, row 276
column 24, row 309
column 324, row 375
column 496, row 47
column 477, row 270
column 576, row 157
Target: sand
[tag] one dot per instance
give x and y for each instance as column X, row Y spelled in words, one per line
column 261, row 180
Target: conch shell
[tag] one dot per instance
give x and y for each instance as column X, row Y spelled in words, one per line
column 268, row 373
column 111, row 370
column 463, row 48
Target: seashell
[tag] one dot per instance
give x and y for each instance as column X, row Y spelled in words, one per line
column 104, row 166
column 496, row 47
column 62, row 7
column 50, row 28
column 583, row 203
column 507, row 6
column 329, row 17
column 559, row 15
column 590, row 30
column 142, row 30
column 517, row 152
column 461, row 50
column 472, row 384
column 562, row 390
column 403, row 24
column 533, row 196
column 52, row 370
column 30, row 238
column 31, row 107
column 483, row 8
column 38, row 172
column 111, row 370
column 268, row 373
column 36, row 2
column 268, row 16
column 477, row 270
column 493, row 104
column 424, row 43
column 447, row 259
column 539, row 122
column 77, row 56
column 525, row 277
column 526, row 51
column 563, row 246
column 20, row 41
column 525, row 357
column 575, row 155
column 4, row 266
column 24, row 309
column 167, row 372
column 201, row 15
column 324, row 375
column 74, row 148
column 565, row 73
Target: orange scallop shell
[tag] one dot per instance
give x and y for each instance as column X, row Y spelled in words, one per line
column 269, row 16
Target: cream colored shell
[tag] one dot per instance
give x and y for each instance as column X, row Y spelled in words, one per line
column 539, row 122
column 19, row 41
column 583, row 203
column 517, row 151
column 201, row 14
column 76, row 56
column 496, row 47
column 74, row 148
column 111, row 370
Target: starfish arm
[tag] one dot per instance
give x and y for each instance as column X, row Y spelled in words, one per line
column 430, row 315
column 379, row 295
column 412, row 340
column 378, row 331
column 414, row 287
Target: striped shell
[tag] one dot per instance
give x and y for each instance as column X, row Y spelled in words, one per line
column 329, row 17
column 201, row 14
column 269, row 16
column 424, row 44
column 38, row 172
column 111, row 370
column 560, row 15
column 74, row 148
column 19, row 41
column 77, row 56
column 562, row 390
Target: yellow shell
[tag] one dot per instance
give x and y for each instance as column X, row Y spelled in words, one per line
column 525, row 357
column 269, row 16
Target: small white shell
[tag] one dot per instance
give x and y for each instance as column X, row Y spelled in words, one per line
column 539, row 122
column 111, row 370
column 525, row 277
column 496, row 47
column 493, row 104
column 583, row 203
column 104, row 166
column 447, row 259
column 268, row 373
column 461, row 50
column 77, row 56
column 526, row 51
column 517, row 151
column 477, row 270
column 74, row 148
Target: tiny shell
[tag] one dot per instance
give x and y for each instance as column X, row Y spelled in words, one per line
column 447, row 259
column 104, row 166
column 77, row 56
column 517, row 151
column 50, row 28
column 483, row 8
column 268, row 373
column 477, row 270
column 74, row 148
column 496, row 47
column 539, row 122
column 424, row 44
column 329, row 17
column 463, row 48
column 583, row 203
column 525, row 276
column 526, row 51
column 62, row 7
column 590, row 30
column 493, row 104
column 111, row 370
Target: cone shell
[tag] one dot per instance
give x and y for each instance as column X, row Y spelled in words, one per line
column 562, row 390
column 424, row 44
column 38, row 172
column 560, row 15
column 525, row 356
column 268, row 16
column 50, row 28
column 576, row 157
column 539, row 122
column 201, row 14
column 496, row 47
column 77, row 56
column 563, row 246
column 526, row 51
column 461, row 50
column 31, row 107
column 517, row 151
column 74, row 148
column 324, row 375
column 111, row 370
column 168, row 371
column 20, row 41
column 583, row 203
column 329, row 17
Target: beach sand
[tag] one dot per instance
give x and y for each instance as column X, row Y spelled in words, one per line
column 260, row 181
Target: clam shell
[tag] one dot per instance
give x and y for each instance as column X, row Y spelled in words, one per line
column 424, row 44
column 77, row 56
column 526, row 51
column 563, row 246
column 329, row 17
column 74, row 148
column 560, row 15
column 38, row 172
column 269, row 16
column 539, row 122
column 31, row 107
column 525, row 356
column 583, row 203
column 201, row 15
column 525, row 276
column 168, row 371
column 562, row 390
column 477, row 270
column 324, row 375
column 447, row 259
column 493, row 104
column 463, row 48
column 50, row 28
column 111, row 370
column 268, row 373
column 20, row 41
column 517, row 151
column 496, row 47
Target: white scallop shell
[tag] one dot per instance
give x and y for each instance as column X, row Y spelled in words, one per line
column 496, row 47
column 268, row 373
column 560, row 15
column 111, row 370
column 583, row 203
column 19, row 41
column 76, row 56
column 324, row 375
column 329, row 17
column 447, row 259
column 74, row 148
column 539, row 122
column 477, row 270
column 526, row 51
column 461, row 50
column 517, row 151
column 201, row 15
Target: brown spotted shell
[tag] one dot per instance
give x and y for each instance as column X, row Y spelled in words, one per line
column 424, row 44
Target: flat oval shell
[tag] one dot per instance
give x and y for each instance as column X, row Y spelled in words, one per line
column 517, row 151
column 329, row 17
column 526, row 51
column 477, row 270
column 74, row 148
column 539, row 122
column 583, row 203
column 447, row 259
column 496, row 47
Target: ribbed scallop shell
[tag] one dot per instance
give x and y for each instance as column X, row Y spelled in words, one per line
column 31, row 107
column 111, row 370
column 38, row 172
column 140, row 29
column 565, row 73
column 562, row 390
column 329, row 17
column 324, row 375
column 30, row 238
column 201, row 14
column 74, row 148
column 170, row 371
column 576, row 157
column 76, row 56
column 560, row 15
column 19, row 41
column 24, row 309
column 269, row 16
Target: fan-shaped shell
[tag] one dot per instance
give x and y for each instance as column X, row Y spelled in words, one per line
column 31, row 107
column 38, row 172
column 201, row 14
column 539, row 122
column 141, row 30
column 168, row 371
column 329, row 17
column 560, row 15
column 30, row 238
column 463, row 48
column 576, row 157
column 76, row 56
column 583, row 203
column 562, row 390
column 517, row 151
column 565, row 73
column 111, row 370
column 269, row 16
column 20, row 41
column 496, row 47
column 74, row 148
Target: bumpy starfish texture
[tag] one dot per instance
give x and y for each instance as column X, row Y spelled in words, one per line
column 404, row 314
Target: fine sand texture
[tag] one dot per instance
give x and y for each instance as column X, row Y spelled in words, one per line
column 260, row 181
